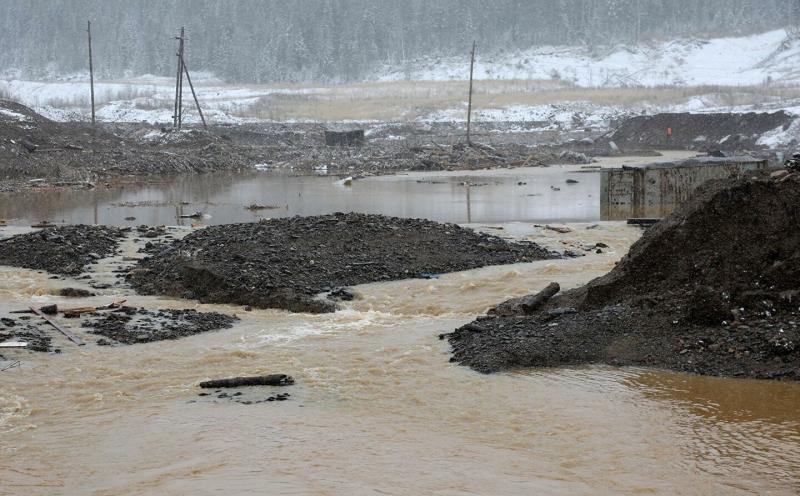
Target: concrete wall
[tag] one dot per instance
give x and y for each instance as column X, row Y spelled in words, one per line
column 654, row 191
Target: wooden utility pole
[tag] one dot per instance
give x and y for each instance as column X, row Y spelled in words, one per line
column 194, row 95
column 180, row 90
column 469, row 104
column 176, row 117
column 91, row 67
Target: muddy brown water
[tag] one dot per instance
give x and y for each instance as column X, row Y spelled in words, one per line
column 377, row 407
column 538, row 194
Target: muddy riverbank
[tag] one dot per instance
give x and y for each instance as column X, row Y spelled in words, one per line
column 712, row 289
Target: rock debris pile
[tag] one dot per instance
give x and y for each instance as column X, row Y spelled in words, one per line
column 713, row 289
column 284, row 263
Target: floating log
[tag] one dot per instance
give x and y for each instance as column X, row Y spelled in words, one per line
column 43, row 225
column 263, row 380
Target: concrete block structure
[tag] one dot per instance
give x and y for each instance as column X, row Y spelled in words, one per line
column 655, row 190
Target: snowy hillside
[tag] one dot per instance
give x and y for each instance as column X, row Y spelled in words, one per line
column 510, row 89
column 752, row 60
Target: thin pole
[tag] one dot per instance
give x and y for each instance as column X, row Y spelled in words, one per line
column 91, row 68
column 180, row 91
column 194, row 95
column 469, row 104
column 177, row 82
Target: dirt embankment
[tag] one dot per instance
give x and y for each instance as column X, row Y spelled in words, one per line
column 284, row 263
column 713, row 289
column 698, row 131
column 63, row 250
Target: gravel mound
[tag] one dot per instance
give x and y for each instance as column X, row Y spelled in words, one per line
column 63, row 250
column 713, row 289
column 284, row 263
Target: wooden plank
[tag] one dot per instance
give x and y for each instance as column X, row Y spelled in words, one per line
column 75, row 339
column 76, row 312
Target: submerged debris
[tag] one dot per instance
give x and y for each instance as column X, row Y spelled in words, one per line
column 21, row 331
column 258, row 206
column 130, row 325
column 261, row 380
column 75, row 293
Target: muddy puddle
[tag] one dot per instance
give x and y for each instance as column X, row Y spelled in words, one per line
column 539, row 194
column 377, row 408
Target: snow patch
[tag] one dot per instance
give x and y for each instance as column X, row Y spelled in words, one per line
column 750, row 60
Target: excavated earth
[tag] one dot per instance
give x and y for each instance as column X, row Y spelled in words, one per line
column 713, row 289
column 65, row 250
column 725, row 131
column 285, row 263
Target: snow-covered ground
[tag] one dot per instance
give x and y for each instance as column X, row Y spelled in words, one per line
column 146, row 98
column 744, row 61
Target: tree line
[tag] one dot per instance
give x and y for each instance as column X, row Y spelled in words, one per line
column 341, row 40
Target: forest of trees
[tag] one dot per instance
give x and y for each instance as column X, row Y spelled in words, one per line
column 341, row 40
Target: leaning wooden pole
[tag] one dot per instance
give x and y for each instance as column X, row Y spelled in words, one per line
column 91, row 67
column 180, row 84
column 194, row 95
column 469, row 103
column 177, row 82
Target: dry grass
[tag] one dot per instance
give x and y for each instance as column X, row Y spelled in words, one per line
column 409, row 100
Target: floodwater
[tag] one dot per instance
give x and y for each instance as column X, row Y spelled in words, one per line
column 538, row 194
column 377, row 408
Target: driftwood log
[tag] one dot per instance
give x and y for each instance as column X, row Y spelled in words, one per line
column 263, row 380
column 526, row 305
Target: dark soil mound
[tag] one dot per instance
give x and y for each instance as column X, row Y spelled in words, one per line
column 130, row 325
column 60, row 250
column 712, row 289
column 697, row 131
column 283, row 263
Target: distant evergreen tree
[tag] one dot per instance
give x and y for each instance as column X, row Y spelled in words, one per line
column 342, row 40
